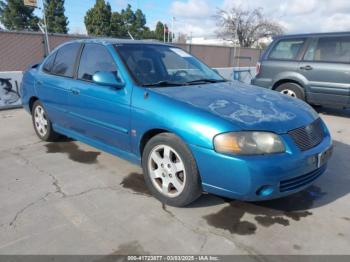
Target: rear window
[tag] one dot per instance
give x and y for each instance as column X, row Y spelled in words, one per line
column 329, row 49
column 287, row 49
column 65, row 60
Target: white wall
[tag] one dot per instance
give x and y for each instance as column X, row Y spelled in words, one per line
column 9, row 89
column 227, row 73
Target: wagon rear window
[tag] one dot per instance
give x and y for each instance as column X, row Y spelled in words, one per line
column 329, row 49
column 287, row 49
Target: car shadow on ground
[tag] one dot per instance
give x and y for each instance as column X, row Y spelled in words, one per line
column 332, row 185
column 332, row 111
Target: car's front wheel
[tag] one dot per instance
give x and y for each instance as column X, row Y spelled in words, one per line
column 42, row 124
column 170, row 170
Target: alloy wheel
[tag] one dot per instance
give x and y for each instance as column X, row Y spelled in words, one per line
column 40, row 120
column 167, row 170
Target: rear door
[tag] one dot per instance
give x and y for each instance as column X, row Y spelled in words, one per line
column 326, row 66
column 283, row 59
column 53, row 83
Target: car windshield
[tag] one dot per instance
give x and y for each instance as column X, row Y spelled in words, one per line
column 161, row 65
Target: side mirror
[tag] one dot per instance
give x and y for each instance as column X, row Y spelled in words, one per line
column 107, row 79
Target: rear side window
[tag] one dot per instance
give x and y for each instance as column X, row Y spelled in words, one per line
column 49, row 63
column 329, row 49
column 287, row 49
column 65, row 60
column 95, row 58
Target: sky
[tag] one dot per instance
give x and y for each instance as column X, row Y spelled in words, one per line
column 196, row 16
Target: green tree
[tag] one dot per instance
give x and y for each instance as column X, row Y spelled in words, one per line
column 159, row 32
column 118, row 28
column 98, row 19
column 56, row 20
column 139, row 25
column 148, row 34
column 14, row 15
column 134, row 22
column 128, row 18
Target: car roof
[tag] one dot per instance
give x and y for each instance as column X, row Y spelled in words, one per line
column 312, row 35
column 108, row 41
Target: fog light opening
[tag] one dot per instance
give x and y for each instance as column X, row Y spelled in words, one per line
column 264, row 191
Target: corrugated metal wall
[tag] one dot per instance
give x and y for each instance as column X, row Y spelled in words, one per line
column 18, row 50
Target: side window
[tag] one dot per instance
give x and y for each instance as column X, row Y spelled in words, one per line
column 95, row 58
column 287, row 49
column 65, row 60
column 330, row 49
column 310, row 52
column 49, row 63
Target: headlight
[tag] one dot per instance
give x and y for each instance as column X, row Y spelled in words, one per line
column 248, row 143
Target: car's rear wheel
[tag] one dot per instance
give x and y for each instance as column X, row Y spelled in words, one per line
column 291, row 89
column 170, row 170
column 42, row 124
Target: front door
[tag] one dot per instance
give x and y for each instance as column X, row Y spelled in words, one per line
column 326, row 66
column 100, row 113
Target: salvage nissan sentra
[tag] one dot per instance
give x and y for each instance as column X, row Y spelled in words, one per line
column 192, row 131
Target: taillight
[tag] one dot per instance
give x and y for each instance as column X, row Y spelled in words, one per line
column 258, row 68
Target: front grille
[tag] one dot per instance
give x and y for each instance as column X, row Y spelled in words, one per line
column 309, row 136
column 296, row 182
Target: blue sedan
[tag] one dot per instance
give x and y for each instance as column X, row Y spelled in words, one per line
column 192, row 131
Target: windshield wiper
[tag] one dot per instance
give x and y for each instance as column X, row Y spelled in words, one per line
column 205, row 80
column 163, row 83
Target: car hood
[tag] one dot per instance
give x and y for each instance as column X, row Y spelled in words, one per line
column 249, row 107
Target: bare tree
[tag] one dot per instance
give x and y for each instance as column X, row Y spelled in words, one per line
column 182, row 38
column 246, row 26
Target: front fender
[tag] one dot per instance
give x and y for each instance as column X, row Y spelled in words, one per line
column 151, row 110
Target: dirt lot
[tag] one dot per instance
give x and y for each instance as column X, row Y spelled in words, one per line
column 69, row 198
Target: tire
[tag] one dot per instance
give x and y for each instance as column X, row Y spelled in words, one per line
column 42, row 124
column 173, row 180
column 292, row 89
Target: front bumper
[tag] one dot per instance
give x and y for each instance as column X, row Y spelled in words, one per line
column 240, row 177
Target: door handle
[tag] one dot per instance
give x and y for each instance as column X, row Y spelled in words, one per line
column 39, row 83
column 308, row 67
column 75, row 91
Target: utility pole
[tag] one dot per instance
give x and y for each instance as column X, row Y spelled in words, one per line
column 168, row 34
column 164, row 26
column 43, row 28
column 172, row 29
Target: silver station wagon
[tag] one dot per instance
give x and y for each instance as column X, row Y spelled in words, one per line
column 311, row 67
